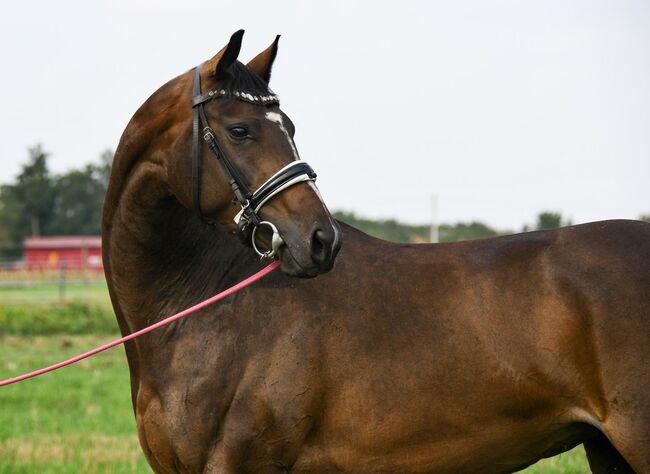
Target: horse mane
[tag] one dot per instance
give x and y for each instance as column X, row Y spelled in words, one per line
column 241, row 78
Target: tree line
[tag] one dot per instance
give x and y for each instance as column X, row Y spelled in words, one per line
column 40, row 203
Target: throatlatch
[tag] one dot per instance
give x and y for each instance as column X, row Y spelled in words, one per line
column 247, row 219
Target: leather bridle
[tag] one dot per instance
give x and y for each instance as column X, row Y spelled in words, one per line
column 247, row 219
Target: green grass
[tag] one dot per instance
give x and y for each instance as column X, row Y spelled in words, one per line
column 39, row 309
column 60, row 318
column 572, row 462
column 78, row 419
column 94, row 292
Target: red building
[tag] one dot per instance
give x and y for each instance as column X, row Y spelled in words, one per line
column 72, row 253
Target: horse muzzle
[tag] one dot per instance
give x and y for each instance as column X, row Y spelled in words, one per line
column 314, row 256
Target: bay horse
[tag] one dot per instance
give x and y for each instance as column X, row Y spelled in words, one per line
column 478, row 357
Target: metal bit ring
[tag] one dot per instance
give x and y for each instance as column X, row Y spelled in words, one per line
column 276, row 241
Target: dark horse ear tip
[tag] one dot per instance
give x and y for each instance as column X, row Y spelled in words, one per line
column 230, row 54
column 236, row 40
column 274, row 47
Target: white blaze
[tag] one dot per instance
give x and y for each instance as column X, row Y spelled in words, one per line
column 277, row 118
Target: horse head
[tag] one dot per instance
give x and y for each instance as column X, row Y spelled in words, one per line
column 246, row 171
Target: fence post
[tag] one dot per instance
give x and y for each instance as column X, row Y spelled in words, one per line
column 62, row 281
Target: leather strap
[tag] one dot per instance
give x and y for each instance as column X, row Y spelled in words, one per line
column 200, row 124
column 196, row 148
column 270, row 187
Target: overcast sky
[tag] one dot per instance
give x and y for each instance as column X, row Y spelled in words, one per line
column 501, row 108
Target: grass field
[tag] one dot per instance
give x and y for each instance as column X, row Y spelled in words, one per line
column 80, row 419
column 50, row 292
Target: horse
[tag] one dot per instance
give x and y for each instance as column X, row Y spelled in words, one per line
column 481, row 356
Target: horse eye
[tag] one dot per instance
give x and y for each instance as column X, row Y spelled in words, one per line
column 238, row 132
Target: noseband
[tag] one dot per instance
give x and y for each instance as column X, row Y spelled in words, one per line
column 247, row 219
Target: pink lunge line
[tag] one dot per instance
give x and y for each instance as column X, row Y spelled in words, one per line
column 233, row 289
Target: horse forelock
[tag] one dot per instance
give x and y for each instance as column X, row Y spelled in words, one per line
column 241, row 78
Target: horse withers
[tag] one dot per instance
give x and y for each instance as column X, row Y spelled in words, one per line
column 480, row 356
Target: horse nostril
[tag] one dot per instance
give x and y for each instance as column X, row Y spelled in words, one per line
column 320, row 245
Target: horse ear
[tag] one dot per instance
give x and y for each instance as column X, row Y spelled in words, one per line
column 228, row 55
column 263, row 62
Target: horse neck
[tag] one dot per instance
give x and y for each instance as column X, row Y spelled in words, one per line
column 159, row 256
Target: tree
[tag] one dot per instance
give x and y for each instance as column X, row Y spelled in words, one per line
column 461, row 231
column 79, row 197
column 549, row 220
column 13, row 223
column 26, row 205
column 34, row 189
column 644, row 217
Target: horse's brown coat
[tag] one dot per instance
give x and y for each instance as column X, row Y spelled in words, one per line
column 480, row 356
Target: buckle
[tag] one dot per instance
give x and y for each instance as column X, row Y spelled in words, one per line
column 242, row 211
column 208, row 134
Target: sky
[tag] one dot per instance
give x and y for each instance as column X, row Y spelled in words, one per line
column 501, row 109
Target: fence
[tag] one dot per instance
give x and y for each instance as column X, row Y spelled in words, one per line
column 25, row 284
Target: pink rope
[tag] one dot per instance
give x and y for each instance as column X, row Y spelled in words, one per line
column 224, row 294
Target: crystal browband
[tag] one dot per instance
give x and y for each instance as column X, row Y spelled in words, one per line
column 268, row 99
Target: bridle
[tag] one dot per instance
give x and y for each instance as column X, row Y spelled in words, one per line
column 247, row 219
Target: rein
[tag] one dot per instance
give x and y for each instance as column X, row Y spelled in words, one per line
column 233, row 289
column 247, row 219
